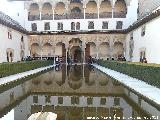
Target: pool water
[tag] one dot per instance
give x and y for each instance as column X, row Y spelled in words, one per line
column 77, row 92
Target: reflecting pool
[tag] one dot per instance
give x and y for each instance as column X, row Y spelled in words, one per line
column 78, row 92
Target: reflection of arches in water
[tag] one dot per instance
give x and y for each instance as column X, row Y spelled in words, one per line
column 75, row 75
column 61, row 72
column 90, row 75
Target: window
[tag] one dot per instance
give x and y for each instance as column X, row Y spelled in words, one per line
column 48, row 99
column 47, row 26
column 74, row 100
column 60, row 100
column 60, row 26
column 9, row 34
column 35, row 99
column 103, row 101
column 143, row 30
column 34, row 27
column 105, row 25
column 119, row 25
column 77, row 26
column 116, row 101
column 89, row 100
column 72, row 26
column 90, row 25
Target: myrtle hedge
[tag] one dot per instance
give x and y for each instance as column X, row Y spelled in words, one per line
column 149, row 73
column 7, row 69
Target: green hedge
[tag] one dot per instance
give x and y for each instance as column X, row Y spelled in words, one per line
column 7, row 69
column 149, row 73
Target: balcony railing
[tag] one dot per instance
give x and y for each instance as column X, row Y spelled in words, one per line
column 33, row 17
column 119, row 14
column 91, row 15
column 59, row 17
column 47, row 17
column 105, row 15
column 75, row 16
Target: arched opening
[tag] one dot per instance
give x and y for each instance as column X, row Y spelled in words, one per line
column 78, row 26
column 60, row 52
column 10, row 54
column 91, row 10
column 34, row 13
column 73, row 26
column 105, row 10
column 75, row 51
column 120, row 9
column 47, row 13
column 76, row 9
column 60, row 11
column 104, row 50
column 35, row 50
column 118, row 50
column 90, row 50
column 47, row 50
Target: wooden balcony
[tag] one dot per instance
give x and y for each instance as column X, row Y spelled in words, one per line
column 47, row 17
column 33, row 17
column 119, row 14
column 105, row 15
column 91, row 15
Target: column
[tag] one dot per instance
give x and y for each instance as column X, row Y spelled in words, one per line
column 54, row 55
column 112, row 12
column 53, row 13
column 111, row 46
column 84, row 60
column 84, row 10
column 98, row 8
column 40, row 12
column 97, row 45
column 41, row 52
column 66, row 55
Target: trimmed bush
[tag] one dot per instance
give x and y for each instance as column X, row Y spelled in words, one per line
column 7, row 69
column 149, row 73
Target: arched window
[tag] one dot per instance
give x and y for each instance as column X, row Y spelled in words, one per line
column 47, row 13
column 120, row 9
column 72, row 26
column 47, row 26
column 34, row 13
column 77, row 26
column 34, row 27
column 91, row 10
column 105, row 10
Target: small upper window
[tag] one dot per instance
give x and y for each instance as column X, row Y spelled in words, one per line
column 119, row 25
column 105, row 25
column 47, row 26
column 143, row 30
column 9, row 34
column 72, row 26
column 90, row 25
column 77, row 26
column 60, row 26
column 34, row 27
column 131, row 36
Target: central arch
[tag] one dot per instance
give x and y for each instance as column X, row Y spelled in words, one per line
column 75, row 50
column 76, row 53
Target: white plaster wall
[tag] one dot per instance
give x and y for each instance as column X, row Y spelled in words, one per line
column 14, row 9
column 150, row 41
column 13, row 43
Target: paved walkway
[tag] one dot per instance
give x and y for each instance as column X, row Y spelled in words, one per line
column 137, row 85
column 10, row 78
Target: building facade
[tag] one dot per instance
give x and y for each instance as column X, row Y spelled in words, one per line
column 102, row 29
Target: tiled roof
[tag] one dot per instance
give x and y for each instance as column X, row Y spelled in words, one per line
column 9, row 22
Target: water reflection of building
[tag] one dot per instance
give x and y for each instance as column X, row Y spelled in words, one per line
column 82, row 78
